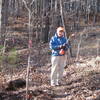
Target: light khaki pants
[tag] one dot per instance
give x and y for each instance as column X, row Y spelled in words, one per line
column 57, row 69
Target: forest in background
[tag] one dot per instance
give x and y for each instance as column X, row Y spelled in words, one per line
column 26, row 27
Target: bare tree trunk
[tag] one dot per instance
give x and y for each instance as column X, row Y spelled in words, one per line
column 0, row 15
column 38, row 6
column 63, row 22
column 45, row 21
column 4, row 17
column 18, row 7
column 12, row 7
column 54, row 17
column 78, row 49
column 62, row 17
column 29, row 45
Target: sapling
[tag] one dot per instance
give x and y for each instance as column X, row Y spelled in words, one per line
column 12, row 59
column 30, row 13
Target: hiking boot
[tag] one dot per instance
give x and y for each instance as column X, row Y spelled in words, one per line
column 53, row 84
column 57, row 84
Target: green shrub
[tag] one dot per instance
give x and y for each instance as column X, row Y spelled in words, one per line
column 12, row 57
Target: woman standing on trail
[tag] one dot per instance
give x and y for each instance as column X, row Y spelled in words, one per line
column 59, row 45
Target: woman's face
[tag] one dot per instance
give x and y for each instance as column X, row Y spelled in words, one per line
column 60, row 33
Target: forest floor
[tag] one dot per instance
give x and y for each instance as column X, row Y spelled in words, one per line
column 81, row 79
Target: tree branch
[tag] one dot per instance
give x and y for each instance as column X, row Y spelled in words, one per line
column 32, row 2
column 25, row 5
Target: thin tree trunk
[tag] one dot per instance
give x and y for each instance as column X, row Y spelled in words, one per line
column 62, row 17
column 63, row 22
column 38, row 14
column 79, row 45
column 51, row 4
column 29, row 58
column 56, row 5
column 0, row 15
column 29, row 46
